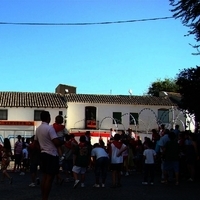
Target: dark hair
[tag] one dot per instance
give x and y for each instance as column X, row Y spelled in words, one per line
column 82, row 138
column 96, row 145
column 67, row 137
column 7, row 144
column 87, row 133
column 117, row 137
column 59, row 119
column 45, row 116
column 172, row 135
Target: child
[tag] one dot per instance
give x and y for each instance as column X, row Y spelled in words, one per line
column 24, row 160
column 80, row 161
column 61, row 132
column 149, row 157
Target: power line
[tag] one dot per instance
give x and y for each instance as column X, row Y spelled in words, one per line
column 82, row 23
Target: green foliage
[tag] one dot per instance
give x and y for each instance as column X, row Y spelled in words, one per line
column 167, row 85
column 188, row 81
column 189, row 13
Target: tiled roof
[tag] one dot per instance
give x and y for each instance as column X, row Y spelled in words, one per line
column 32, row 99
column 175, row 97
column 55, row 100
column 119, row 99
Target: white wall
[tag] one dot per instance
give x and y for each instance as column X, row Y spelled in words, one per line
column 147, row 117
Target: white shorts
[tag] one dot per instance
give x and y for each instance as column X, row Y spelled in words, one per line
column 79, row 170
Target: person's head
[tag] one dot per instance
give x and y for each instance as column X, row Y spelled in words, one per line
column 59, row 119
column 117, row 137
column 96, row 145
column 87, row 133
column 19, row 137
column 172, row 135
column 7, row 144
column 150, row 144
column 67, row 137
column 162, row 126
column 45, row 116
column 82, row 138
column 166, row 131
column 177, row 127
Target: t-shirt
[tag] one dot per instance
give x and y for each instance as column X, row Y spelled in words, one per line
column 45, row 134
column 149, row 156
column 163, row 140
column 25, row 153
column 117, row 147
column 82, row 155
column 99, row 152
column 18, row 147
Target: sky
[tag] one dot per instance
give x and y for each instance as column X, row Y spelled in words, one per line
column 98, row 58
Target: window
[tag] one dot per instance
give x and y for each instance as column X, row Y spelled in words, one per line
column 90, row 117
column 3, row 114
column 133, row 118
column 118, row 117
column 60, row 113
column 163, row 115
column 37, row 115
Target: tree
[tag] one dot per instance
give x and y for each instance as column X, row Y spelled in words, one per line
column 189, row 12
column 167, row 85
column 188, row 81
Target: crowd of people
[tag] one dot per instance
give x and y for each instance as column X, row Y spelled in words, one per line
column 172, row 153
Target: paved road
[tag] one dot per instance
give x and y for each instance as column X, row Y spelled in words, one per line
column 131, row 189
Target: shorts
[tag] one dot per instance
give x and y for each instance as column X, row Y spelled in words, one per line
column 49, row 164
column 171, row 165
column 79, row 170
column 116, row 166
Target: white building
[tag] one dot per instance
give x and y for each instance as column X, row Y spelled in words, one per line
column 20, row 112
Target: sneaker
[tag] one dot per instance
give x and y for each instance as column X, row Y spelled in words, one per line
column 76, row 183
column 82, row 185
column 190, row 180
column 96, row 185
column 144, row 183
column 11, row 181
column 127, row 174
column 61, row 181
column 37, row 181
column 151, row 183
column 67, row 180
column 103, row 185
column 22, row 174
column 32, row 185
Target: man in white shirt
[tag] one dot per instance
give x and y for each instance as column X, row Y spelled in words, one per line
column 48, row 140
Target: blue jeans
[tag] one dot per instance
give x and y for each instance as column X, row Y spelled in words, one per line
column 101, row 167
